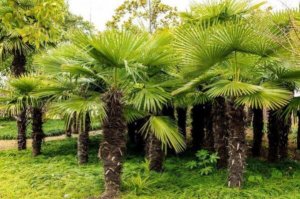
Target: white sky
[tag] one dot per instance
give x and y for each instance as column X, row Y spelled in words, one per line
column 100, row 11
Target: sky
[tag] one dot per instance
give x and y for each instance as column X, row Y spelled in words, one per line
column 100, row 11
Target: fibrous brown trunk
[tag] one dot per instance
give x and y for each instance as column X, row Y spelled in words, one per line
column 37, row 131
column 83, row 141
column 113, row 146
column 181, row 120
column 258, row 124
column 249, row 116
column 197, row 130
column 208, row 134
column 236, row 145
column 17, row 70
column 18, row 64
column 298, row 132
column 273, row 136
column 155, row 154
column 284, row 130
column 220, row 131
column 21, row 125
column 74, row 125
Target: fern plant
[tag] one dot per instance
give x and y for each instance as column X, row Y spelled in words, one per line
column 205, row 162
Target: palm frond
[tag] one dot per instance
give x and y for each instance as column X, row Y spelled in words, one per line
column 131, row 114
column 149, row 98
column 165, row 129
column 268, row 97
column 227, row 88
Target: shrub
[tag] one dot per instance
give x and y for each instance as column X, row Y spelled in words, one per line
column 205, row 162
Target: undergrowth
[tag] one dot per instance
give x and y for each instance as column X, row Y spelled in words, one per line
column 55, row 174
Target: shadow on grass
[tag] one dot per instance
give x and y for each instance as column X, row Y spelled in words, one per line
column 68, row 147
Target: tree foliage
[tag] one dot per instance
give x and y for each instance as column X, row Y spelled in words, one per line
column 134, row 14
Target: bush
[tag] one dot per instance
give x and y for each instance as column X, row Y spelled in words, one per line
column 206, row 162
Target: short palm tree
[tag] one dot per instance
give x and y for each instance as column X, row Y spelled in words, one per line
column 115, row 62
column 72, row 99
column 16, row 100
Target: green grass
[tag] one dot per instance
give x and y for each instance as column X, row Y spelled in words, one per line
column 55, row 174
column 8, row 129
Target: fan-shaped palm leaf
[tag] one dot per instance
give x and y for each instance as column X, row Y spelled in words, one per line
column 166, row 131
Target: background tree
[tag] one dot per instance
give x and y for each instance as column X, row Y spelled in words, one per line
column 150, row 15
column 18, row 96
column 236, row 55
column 25, row 26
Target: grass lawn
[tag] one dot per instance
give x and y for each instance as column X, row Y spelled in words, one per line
column 55, row 174
column 8, row 129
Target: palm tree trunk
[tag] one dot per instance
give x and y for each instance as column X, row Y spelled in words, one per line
column 83, row 141
column 237, row 145
column 298, row 132
column 249, row 116
column 74, row 125
column 17, row 70
column 68, row 130
column 284, row 130
column 181, row 120
column 21, row 125
column 273, row 136
column 220, row 131
column 113, row 146
column 258, row 125
column 37, row 131
column 197, row 130
column 18, row 64
column 208, row 134
column 155, row 154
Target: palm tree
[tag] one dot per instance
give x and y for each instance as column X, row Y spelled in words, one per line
column 75, row 100
column 230, row 47
column 17, row 97
column 22, row 34
column 80, row 110
column 279, row 124
column 12, row 45
column 117, row 63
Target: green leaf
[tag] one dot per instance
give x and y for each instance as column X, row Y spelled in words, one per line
column 165, row 129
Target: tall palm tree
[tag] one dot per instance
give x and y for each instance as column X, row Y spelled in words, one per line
column 116, row 62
